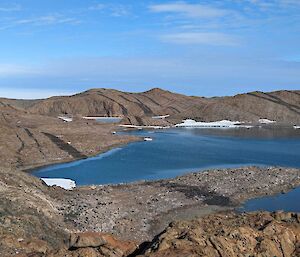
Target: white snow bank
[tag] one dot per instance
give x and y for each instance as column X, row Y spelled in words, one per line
column 143, row 127
column 66, row 119
column 160, row 117
column 266, row 121
column 61, row 182
column 100, row 117
column 215, row 124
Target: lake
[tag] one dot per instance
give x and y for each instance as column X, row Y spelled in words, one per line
column 174, row 152
column 108, row 119
column 287, row 202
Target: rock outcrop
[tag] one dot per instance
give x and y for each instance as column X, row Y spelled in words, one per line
column 230, row 235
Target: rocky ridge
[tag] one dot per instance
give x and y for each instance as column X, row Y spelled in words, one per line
column 137, row 108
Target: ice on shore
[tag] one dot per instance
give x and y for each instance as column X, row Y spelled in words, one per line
column 189, row 123
column 61, row 182
column 100, row 117
column 66, row 119
column 266, row 121
column 143, row 127
column 161, row 117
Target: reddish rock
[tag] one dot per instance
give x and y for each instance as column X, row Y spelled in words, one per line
column 87, row 239
column 230, row 235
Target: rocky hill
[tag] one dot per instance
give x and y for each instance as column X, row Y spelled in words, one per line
column 28, row 140
column 253, row 234
column 282, row 106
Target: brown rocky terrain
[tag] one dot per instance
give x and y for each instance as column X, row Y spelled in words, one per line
column 29, row 140
column 230, row 235
column 141, row 210
column 37, row 220
column 282, row 106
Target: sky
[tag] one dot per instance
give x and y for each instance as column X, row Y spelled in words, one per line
column 204, row 48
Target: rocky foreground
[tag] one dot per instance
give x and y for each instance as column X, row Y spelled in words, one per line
column 37, row 220
column 141, row 210
column 254, row 234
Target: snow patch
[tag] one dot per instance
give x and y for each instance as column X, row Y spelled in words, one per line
column 101, row 117
column 189, row 123
column 161, row 117
column 143, row 127
column 266, row 121
column 61, row 182
column 66, row 119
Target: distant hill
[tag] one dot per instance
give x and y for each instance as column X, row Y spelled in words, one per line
column 282, row 106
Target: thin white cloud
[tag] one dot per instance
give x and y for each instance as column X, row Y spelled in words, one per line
column 11, row 8
column 269, row 4
column 189, row 10
column 202, row 38
column 46, row 20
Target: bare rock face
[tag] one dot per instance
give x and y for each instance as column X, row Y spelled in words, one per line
column 88, row 239
column 253, row 234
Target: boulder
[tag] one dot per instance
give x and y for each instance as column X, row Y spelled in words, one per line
column 86, row 239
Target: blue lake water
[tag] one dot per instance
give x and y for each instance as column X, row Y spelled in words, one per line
column 287, row 202
column 174, row 152
column 177, row 151
column 108, row 119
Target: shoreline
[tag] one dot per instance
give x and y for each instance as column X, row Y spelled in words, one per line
column 140, row 210
column 31, row 168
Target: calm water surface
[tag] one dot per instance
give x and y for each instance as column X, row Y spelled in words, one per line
column 108, row 119
column 177, row 151
column 287, row 202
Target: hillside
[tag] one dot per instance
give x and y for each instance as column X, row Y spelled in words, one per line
column 282, row 106
column 32, row 140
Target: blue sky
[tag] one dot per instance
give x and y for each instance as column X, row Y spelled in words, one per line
column 206, row 48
